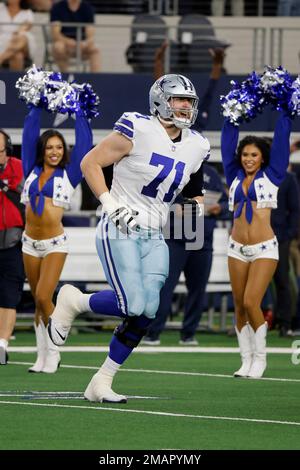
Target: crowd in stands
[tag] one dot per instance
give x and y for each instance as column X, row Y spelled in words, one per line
column 18, row 44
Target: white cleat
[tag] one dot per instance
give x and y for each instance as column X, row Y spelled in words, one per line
column 57, row 333
column 99, row 390
column 66, row 310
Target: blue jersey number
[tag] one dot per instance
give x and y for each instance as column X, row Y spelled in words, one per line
column 167, row 164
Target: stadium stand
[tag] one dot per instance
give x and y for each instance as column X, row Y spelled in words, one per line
column 195, row 36
column 179, row 7
column 147, row 34
column 120, row 7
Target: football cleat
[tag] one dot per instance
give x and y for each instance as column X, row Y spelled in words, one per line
column 66, row 310
column 99, row 390
column 57, row 333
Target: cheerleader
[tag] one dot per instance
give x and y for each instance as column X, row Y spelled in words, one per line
column 51, row 178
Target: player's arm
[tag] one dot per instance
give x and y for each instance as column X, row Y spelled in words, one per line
column 111, row 150
column 193, row 192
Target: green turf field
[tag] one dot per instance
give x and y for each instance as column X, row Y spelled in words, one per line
column 177, row 400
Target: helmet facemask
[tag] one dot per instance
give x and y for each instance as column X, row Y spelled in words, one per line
column 188, row 115
column 161, row 94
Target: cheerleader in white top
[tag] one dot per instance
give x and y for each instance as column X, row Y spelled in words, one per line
column 51, row 178
column 253, row 173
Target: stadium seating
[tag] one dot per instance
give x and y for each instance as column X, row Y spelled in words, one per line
column 147, row 34
column 195, row 36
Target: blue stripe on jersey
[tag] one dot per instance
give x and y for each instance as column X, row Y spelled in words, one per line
column 123, row 130
column 126, row 122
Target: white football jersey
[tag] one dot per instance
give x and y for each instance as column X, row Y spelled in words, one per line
column 156, row 169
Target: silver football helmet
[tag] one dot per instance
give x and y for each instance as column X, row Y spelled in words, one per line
column 173, row 86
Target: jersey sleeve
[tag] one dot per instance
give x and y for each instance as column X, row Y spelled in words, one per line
column 30, row 137
column 125, row 125
column 204, row 151
column 195, row 185
column 203, row 148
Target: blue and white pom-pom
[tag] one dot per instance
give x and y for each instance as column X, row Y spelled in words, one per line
column 244, row 101
column 274, row 86
column 31, row 86
column 49, row 91
column 295, row 98
column 277, row 88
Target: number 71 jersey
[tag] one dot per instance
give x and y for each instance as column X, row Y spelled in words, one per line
column 156, row 169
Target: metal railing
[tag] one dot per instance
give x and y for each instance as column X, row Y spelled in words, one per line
column 255, row 40
column 277, row 43
column 175, row 7
column 251, row 46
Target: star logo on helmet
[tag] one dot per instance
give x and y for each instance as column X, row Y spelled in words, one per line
column 164, row 81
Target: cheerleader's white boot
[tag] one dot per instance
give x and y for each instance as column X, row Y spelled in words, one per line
column 52, row 360
column 259, row 363
column 245, row 341
column 41, row 346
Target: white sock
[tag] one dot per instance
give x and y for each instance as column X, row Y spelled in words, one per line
column 84, row 303
column 3, row 343
column 109, row 367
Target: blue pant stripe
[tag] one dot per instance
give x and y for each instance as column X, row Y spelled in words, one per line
column 115, row 281
column 102, row 220
column 120, row 293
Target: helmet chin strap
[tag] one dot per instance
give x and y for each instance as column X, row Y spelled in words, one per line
column 175, row 122
column 181, row 124
column 168, row 123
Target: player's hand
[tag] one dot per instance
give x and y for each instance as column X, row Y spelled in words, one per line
column 121, row 216
column 124, row 220
column 192, row 207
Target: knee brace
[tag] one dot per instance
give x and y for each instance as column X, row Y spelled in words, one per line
column 131, row 331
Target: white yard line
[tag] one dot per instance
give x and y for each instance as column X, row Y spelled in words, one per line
column 165, row 372
column 151, row 349
column 99, row 407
